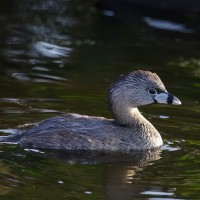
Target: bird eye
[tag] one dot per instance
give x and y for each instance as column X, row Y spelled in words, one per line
column 152, row 91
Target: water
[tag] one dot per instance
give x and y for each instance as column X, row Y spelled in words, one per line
column 60, row 56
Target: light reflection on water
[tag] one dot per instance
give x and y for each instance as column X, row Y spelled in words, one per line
column 50, row 50
column 60, row 56
column 167, row 25
column 38, row 78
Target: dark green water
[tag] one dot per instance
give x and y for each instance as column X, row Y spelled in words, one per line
column 39, row 80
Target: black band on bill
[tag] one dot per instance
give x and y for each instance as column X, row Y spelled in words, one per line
column 170, row 99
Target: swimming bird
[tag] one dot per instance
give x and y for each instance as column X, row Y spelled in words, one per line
column 129, row 130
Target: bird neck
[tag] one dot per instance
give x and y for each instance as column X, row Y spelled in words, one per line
column 131, row 117
column 123, row 115
column 141, row 130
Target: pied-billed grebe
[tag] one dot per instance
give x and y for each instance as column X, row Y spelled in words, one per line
column 128, row 131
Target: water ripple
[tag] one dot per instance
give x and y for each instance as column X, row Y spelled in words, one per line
column 50, row 50
column 167, row 25
column 38, row 77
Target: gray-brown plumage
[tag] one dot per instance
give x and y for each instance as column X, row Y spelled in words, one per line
column 128, row 131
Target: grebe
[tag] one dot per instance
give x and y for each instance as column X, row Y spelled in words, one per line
column 128, row 131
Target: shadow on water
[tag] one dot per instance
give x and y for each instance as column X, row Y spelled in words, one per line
column 60, row 56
